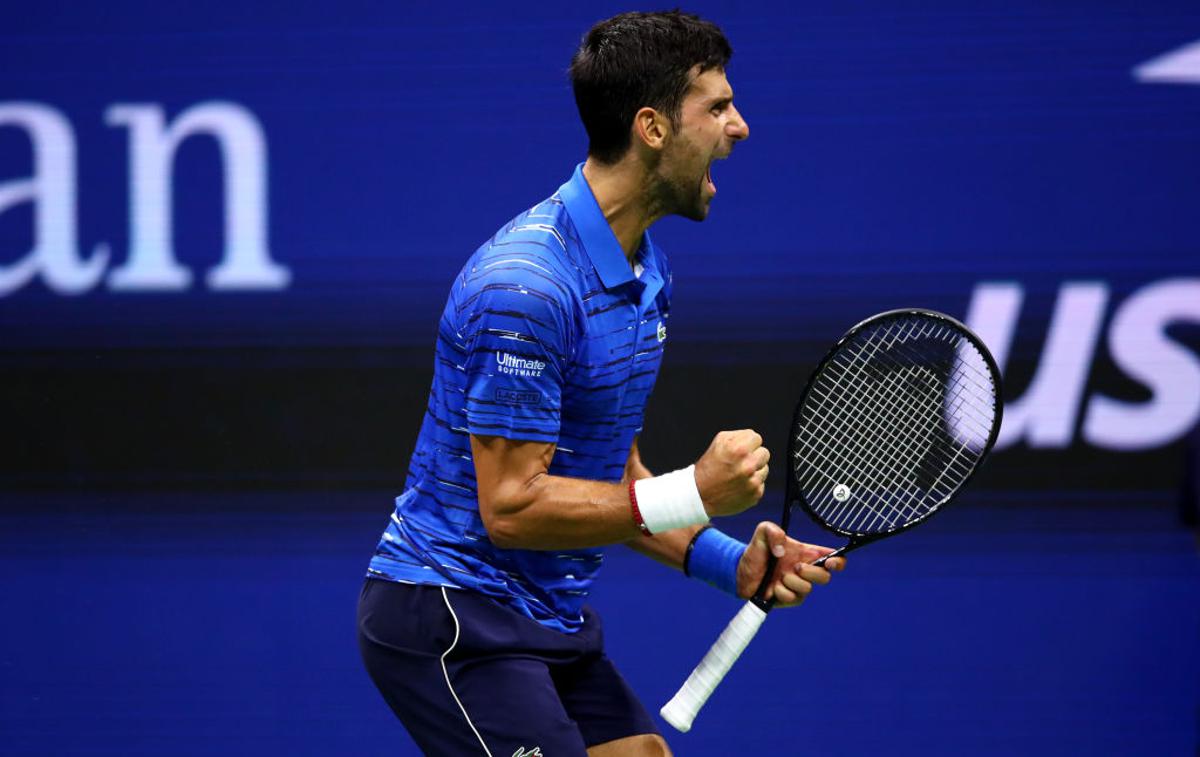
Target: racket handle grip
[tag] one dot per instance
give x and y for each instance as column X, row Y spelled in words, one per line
column 686, row 704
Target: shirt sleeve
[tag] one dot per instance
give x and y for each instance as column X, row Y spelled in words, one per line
column 520, row 329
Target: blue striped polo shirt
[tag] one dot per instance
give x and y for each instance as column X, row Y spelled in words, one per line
column 548, row 335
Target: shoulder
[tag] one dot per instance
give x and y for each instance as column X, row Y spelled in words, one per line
column 545, row 226
column 535, row 254
column 527, row 271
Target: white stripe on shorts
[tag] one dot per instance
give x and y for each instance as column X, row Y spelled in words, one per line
column 447, row 674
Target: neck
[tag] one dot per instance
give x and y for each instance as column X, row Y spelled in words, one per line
column 625, row 193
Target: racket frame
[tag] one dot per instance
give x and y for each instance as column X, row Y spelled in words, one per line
column 792, row 495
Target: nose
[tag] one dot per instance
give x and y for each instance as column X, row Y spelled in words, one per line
column 736, row 127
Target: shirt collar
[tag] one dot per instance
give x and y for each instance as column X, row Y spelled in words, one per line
column 597, row 236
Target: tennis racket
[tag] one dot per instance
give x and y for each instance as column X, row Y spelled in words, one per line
column 895, row 419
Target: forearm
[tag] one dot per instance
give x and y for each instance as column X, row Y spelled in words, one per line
column 525, row 507
column 556, row 512
column 667, row 548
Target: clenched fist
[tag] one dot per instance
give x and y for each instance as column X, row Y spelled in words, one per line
column 732, row 473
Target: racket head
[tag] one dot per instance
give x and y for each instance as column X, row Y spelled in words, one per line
column 895, row 420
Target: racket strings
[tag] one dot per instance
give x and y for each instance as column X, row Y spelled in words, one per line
column 862, row 440
column 918, row 439
column 900, row 378
column 893, row 425
column 982, row 409
column 892, row 452
column 904, row 495
column 891, row 496
column 863, row 446
column 970, row 406
column 852, row 458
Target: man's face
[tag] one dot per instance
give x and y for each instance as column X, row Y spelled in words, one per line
column 709, row 126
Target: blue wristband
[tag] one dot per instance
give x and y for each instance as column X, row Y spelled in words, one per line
column 714, row 560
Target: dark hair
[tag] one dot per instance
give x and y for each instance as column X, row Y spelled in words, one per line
column 639, row 60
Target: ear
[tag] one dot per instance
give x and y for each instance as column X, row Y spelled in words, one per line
column 652, row 128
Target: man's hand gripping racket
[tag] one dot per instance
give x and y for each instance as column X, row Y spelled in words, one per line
column 894, row 421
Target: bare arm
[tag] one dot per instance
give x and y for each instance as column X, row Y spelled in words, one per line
column 524, row 507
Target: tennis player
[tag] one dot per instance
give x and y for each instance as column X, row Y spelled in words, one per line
column 472, row 621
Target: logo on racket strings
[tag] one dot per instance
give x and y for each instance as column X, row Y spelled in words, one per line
column 841, row 492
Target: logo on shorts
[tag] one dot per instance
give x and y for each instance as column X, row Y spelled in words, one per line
column 537, row 752
column 519, row 366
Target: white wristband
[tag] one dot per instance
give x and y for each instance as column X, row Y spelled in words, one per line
column 670, row 501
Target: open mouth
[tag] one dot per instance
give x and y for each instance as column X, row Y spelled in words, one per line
column 712, row 188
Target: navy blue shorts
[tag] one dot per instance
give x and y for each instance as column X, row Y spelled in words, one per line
column 468, row 676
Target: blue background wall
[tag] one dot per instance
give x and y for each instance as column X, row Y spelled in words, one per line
column 193, row 478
